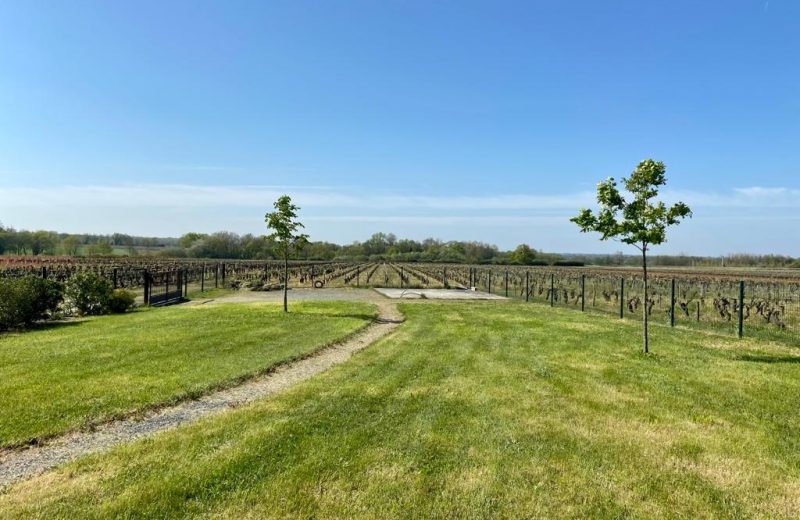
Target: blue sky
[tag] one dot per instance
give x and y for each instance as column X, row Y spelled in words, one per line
column 489, row 121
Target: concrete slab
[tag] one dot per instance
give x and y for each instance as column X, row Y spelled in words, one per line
column 437, row 294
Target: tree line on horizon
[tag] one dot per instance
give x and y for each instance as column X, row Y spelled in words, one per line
column 380, row 246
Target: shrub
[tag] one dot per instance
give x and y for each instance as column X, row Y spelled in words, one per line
column 121, row 301
column 88, row 293
column 25, row 300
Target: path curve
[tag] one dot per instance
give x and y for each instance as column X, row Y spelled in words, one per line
column 17, row 465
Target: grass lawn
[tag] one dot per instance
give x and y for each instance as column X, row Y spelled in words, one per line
column 69, row 374
column 476, row 411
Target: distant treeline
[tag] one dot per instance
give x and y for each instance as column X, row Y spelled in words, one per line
column 380, row 246
column 24, row 242
column 734, row 260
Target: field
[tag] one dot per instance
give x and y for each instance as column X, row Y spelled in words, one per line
column 536, row 412
column 70, row 374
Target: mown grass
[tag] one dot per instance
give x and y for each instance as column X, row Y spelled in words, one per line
column 68, row 374
column 477, row 411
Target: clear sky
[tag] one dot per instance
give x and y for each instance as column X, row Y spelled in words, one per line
column 487, row 120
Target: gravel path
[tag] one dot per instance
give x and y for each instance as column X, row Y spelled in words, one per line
column 16, row 465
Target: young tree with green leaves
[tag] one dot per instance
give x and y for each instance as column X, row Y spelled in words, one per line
column 285, row 234
column 641, row 222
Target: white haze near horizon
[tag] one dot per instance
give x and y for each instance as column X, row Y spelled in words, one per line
column 749, row 219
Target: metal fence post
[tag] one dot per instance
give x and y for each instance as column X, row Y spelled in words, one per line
column 741, row 308
column 583, row 292
column 552, row 289
column 223, row 274
column 622, row 297
column 672, row 305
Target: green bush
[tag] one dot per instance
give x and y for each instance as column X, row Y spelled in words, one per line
column 121, row 301
column 568, row 263
column 26, row 300
column 88, row 294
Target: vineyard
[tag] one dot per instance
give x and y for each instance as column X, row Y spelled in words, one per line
column 753, row 302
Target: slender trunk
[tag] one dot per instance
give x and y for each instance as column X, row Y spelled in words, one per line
column 645, row 308
column 285, row 282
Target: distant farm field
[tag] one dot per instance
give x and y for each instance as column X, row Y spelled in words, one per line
column 69, row 374
column 478, row 410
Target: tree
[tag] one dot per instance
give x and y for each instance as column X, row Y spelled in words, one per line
column 285, row 235
column 71, row 245
column 523, row 255
column 641, row 222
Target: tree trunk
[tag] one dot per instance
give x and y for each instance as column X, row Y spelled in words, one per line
column 644, row 308
column 285, row 282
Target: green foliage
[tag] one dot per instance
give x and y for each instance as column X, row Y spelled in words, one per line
column 26, row 300
column 88, row 293
column 285, row 228
column 189, row 239
column 100, row 249
column 121, row 301
column 523, row 255
column 641, row 221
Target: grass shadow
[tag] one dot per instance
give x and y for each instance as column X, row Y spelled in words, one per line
column 769, row 359
column 44, row 325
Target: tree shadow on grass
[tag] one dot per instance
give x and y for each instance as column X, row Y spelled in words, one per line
column 769, row 359
column 45, row 325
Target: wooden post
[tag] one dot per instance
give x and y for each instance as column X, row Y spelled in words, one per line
column 506, row 283
column 223, row 274
column 203, row 278
column 622, row 297
column 672, row 305
column 216, row 277
column 552, row 289
column 185, row 282
column 401, row 276
column 146, row 288
column 527, row 286
column 583, row 292
column 44, row 272
column 444, row 277
column 741, row 308
column 115, row 278
column 358, row 275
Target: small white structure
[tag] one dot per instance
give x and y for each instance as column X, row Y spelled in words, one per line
column 438, row 294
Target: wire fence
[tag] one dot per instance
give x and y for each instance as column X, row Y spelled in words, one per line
column 754, row 308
